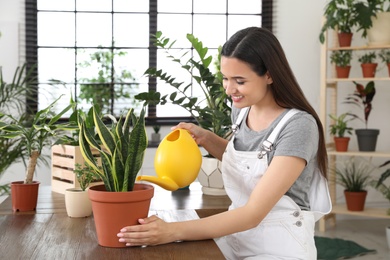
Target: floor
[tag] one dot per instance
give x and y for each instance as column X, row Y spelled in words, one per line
column 369, row 233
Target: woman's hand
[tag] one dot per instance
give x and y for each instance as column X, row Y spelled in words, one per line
column 152, row 231
column 198, row 133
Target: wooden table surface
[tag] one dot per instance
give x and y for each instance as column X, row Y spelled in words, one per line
column 48, row 233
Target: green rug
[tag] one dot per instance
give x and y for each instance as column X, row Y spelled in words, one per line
column 336, row 248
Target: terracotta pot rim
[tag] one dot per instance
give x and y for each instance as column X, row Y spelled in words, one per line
column 22, row 183
column 143, row 192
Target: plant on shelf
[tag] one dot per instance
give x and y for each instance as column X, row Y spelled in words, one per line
column 384, row 55
column 342, row 60
column 339, row 128
column 32, row 133
column 156, row 137
column 381, row 186
column 368, row 64
column 363, row 97
column 212, row 111
column 121, row 144
column 354, row 177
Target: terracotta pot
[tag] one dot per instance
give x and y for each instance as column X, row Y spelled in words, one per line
column 369, row 69
column 77, row 203
column 114, row 210
column 341, row 143
column 345, row 39
column 355, row 200
column 343, row 72
column 24, row 196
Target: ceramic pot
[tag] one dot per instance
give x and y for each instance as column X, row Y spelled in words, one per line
column 379, row 33
column 369, row 69
column 114, row 210
column 367, row 139
column 77, row 203
column 341, row 143
column 177, row 161
column 345, row 39
column 24, row 196
column 388, row 235
column 355, row 200
column 210, row 177
column 156, row 138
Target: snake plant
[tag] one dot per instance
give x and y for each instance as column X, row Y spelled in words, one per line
column 121, row 144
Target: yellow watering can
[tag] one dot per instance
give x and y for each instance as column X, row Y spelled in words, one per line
column 177, row 161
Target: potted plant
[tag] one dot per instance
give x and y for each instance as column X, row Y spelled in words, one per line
column 211, row 112
column 362, row 97
column 384, row 55
column 77, row 202
column 338, row 129
column 340, row 15
column 368, row 64
column 156, row 137
column 354, row 177
column 33, row 134
column 381, row 186
column 120, row 201
column 342, row 60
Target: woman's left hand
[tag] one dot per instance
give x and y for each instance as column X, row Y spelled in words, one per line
column 152, row 231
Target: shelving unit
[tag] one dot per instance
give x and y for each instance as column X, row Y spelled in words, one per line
column 328, row 97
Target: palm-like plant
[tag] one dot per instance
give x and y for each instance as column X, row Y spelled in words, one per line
column 353, row 177
column 211, row 112
column 121, row 145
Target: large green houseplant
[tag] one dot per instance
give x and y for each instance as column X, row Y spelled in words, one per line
column 211, row 111
column 33, row 133
column 121, row 144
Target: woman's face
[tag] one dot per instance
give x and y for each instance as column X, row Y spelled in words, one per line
column 245, row 87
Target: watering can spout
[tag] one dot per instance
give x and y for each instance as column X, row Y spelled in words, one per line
column 163, row 182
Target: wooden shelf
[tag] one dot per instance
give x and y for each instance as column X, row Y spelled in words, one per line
column 334, row 80
column 367, row 212
column 358, row 153
column 360, row 48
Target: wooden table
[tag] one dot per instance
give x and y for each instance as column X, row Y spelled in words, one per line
column 49, row 233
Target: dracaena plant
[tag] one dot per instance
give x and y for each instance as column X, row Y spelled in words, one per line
column 362, row 97
column 121, row 145
column 212, row 111
column 33, row 133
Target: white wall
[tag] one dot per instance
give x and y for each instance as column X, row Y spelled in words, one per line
column 296, row 24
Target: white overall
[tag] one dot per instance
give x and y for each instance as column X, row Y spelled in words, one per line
column 286, row 232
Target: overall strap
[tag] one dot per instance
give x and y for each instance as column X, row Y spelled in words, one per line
column 236, row 126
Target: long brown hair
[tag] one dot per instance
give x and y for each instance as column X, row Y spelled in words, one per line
column 259, row 48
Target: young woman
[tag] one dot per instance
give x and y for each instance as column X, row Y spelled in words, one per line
column 273, row 166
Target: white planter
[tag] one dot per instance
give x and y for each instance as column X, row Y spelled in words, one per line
column 379, row 33
column 388, row 235
column 77, row 203
column 210, row 177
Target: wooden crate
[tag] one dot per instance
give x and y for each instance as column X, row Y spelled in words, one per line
column 63, row 162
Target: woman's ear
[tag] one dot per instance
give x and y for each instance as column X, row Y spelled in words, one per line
column 269, row 78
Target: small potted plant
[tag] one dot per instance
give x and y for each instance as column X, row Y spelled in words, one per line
column 342, row 60
column 77, row 202
column 368, row 64
column 338, row 129
column 384, row 55
column 121, row 143
column 32, row 134
column 354, row 177
column 363, row 97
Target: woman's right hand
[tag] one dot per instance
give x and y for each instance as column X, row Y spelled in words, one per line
column 199, row 134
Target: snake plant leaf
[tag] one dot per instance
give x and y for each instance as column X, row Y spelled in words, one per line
column 105, row 135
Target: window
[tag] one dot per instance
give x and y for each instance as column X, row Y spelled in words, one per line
column 99, row 49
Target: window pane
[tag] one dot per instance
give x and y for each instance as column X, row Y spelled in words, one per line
column 207, row 6
column 50, row 92
column 56, row 64
column 210, row 29
column 238, row 22
column 168, row 25
column 131, row 30
column 60, row 5
column 131, row 6
column 135, row 61
column 175, row 6
column 93, row 29
column 250, row 7
column 56, row 29
column 93, row 5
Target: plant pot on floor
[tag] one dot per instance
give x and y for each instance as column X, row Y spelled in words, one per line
column 355, row 200
column 341, row 143
column 24, row 196
column 367, row 139
column 77, row 203
column 388, row 235
column 114, row 210
column 210, row 177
